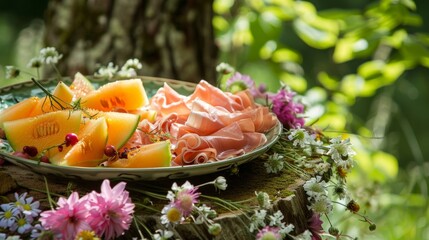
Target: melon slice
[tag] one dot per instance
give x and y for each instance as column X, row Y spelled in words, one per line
column 63, row 96
column 19, row 110
column 146, row 113
column 43, row 131
column 120, row 95
column 147, row 156
column 80, row 86
column 89, row 151
column 121, row 126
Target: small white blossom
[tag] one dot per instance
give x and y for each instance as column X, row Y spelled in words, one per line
column 204, row 212
column 300, row 137
column 49, row 55
column 315, row 187
column 276, row 218
column 127, row 73
column 257, row 220
column 285, row 230
column 108, row 71
column 132, row 64
column 306, row 235
column 171, row 215
column 26, row 205
column 23, row 224
column 340, row 150
column 11, row 72
column 8, row 215
column 321, row 205
column 274, row 163
column 224, row 68
column 35, row 62
column 263, row 199
column 162, row 234
column 220, row 183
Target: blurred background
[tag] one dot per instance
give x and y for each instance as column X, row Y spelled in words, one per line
column 361, row 67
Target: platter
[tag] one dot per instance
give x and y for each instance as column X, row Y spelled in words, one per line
column 9, row 95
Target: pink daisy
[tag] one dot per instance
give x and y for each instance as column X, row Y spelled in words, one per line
column 269, row 233
column 111, row 210
column 68, row 219
column 184, row 197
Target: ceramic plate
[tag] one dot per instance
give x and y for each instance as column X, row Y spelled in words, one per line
column 9, row 95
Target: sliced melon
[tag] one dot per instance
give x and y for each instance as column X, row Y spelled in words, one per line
column 89, row 151
column 124, row 94
column 63, row 97
column 121, row 126
column 80, row 86
column 19, row 110
column 147, row 156
column 146, row 113
column 43, row 131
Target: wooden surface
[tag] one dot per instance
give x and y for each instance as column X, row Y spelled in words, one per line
column 284, row 189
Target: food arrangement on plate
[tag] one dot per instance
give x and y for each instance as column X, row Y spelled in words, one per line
column 118, row 126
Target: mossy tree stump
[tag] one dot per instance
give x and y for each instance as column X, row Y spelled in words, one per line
column 285, row 190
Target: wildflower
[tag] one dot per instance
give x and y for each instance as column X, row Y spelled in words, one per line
column 239, row 82
column 315, row 186
column 11, row 72
column 300, row 137
column 315, row 226
column 111, row 210
column 162, row 234
column 107, row 72
column 285, row 230
column 204, row 212
column 263, row 199
column 353, row 206
column 184, row 197
column 26, row 205
column 23, row 224
column 132, row 64
column 269, row 233
column 276, row 218
column 340, row 191
column 127, row 73
column 224, row 68
column 220, row 183
column 287, row 111
column 68, row 219
column 257, row 220
column 8, row 215
column 341, row 152
column 35, row 62
column 274, row 163
column 49, row 55
column 321, row 205
column 87, row 235
column 215, row 229
column 171, row 214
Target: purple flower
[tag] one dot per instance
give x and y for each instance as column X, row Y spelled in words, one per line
column 239, row 82
column 286, row 109
column 315, row 227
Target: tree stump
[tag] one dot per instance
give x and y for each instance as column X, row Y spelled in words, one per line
column 285, row 190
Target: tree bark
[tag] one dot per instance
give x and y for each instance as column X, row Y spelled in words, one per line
column 172, row 38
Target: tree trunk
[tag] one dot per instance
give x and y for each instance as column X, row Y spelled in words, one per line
column 172, row 38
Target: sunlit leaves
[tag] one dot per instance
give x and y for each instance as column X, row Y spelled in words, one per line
column 296, row 82
column 315, row 34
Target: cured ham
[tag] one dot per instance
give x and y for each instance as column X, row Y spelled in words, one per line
column 208, row 125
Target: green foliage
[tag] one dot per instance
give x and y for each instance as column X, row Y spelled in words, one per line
column 337, row 58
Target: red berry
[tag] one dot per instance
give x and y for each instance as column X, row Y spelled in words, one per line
column 44, row 159
column 60, row 148
column 30, row 150
column 71, row 139
column 2, row 161
column 110, row 151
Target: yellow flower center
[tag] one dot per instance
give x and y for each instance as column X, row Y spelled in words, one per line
column 173, row 214
column 87, row 235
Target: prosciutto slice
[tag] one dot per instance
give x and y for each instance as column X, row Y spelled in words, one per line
column 208, row 125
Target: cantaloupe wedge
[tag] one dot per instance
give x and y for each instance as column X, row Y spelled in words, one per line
column 63, row 98
column 43, row 131
column 80, row 86
column 89, row 150
column 19, row 110
column 147, row 156
column 124, row 94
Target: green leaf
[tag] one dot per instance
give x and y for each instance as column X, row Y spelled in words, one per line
column 286, row 55
column 222, row 6
column 385, row 166
column 315, row 36
column 327, row 81
column 371, row 69
column 296, row 82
